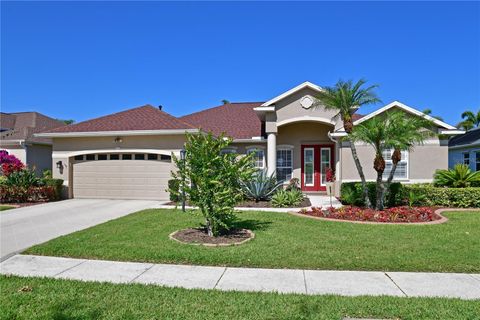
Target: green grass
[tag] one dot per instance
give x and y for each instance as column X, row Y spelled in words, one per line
column 62, row 299
column 3, row 207
column 283, row 241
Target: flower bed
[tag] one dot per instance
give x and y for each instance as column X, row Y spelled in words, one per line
column 391, row 215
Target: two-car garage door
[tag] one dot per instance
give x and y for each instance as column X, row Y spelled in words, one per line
column 125, row 178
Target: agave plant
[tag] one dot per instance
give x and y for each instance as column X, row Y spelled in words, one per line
column 261, row 186
column 459, row 177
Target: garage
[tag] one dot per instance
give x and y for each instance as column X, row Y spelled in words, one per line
column 121, row 176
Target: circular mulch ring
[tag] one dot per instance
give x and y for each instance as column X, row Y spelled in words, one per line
column 199, row 236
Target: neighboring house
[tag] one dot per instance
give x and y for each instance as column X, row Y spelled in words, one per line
column 17, row 137
column 128, row 154
column 465, row 149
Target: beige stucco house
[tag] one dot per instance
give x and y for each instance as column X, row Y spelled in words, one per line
column 128, row 154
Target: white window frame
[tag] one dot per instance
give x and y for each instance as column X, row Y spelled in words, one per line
column 290, row 149
column 229, row 150
column 313, row 164
column 256, row 149
column 407, row 165
column 477, row 159
column 322, row 175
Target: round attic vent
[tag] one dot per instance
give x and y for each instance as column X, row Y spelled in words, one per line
column 306, row 102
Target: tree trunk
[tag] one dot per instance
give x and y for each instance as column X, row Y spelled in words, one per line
column 209, row 227
column 395, row 161
column 380, row 191
column 368, row 204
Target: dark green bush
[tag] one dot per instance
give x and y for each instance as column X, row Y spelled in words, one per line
column 444, row 197
column 174, row 190
column 57, row 184
column 351, row 193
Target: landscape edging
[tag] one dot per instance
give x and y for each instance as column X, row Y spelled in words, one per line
column 250, row 232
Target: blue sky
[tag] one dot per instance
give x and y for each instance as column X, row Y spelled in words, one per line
column 81, row 60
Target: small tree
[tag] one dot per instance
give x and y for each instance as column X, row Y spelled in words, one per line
column 211, row 178
column 9, row 163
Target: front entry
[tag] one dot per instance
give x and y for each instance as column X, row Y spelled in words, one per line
column 316, row 159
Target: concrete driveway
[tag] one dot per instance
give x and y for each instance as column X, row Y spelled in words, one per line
column 24, row 227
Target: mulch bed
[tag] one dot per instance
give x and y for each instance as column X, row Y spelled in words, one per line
column 402, row 214
column 267, row 204
column 199, row 236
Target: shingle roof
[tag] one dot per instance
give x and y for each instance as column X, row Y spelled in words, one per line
column 237, row 120
column 470, row 137
column 142, row 118
column 22, row 126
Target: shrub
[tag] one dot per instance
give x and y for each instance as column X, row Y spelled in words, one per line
column 174, row 190
column 444, row 197
column 260, row 187
column 284, row 198
column 459, row 177
column 11, row 194
column 210, row 178
column 9, row 163
column 24, row 178
column 351, row 193
column 293, row 184
column 57, row 185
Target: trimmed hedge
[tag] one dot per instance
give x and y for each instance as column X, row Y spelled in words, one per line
column 57, row 184
column 351, row 194
column 429, row 195
column 13, row 194
column 445, row 197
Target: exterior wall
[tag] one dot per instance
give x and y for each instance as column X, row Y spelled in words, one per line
column 17, row 151
column 39, row 157
column 63, row 146
column 423, row 160
column 455, row 156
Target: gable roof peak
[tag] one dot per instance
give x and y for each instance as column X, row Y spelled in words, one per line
column 303, row 85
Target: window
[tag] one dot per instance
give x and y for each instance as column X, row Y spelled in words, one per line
column 477, row 161
column 102, row 157
column 402, row 167
column 126, row 157
column 258, row 158
column 466, row 158
column 152, row 156
column 90, row 157
column 114, row 156
column 79, row 158
column 139, row 156
column 284, row 164
column 228, row 150
column 165, row 158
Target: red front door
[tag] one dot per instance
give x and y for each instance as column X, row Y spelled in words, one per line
column 316, row 159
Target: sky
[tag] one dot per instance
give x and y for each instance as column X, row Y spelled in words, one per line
column 79, row 60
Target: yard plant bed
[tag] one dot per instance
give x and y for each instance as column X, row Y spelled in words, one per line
column 390, row 215
column 283, row 241
column 66, row 299
column 199, row 236
column 267, row 204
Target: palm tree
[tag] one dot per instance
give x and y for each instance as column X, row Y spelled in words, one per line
column 470, row 120
column 345, row 98
column 377, row 133
column 428, row 112
column 407, row 132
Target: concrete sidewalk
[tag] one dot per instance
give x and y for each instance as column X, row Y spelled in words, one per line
column 348, row 283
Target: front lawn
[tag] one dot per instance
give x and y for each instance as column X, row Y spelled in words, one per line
column 37, row 298
column 283, row 241
column 6, row 207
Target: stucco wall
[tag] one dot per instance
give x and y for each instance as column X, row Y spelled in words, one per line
column 18, row 152
column 423, row 160
column 39, row 157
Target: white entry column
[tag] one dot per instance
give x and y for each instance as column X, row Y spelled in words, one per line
column 271, row 153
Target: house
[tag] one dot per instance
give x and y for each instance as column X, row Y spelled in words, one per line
column 465, row 149
column 17, row 138
column 128, row 154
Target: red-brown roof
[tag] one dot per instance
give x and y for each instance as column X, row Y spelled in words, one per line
column 142, row 118
column 23, row 126
column 357, row 116
column 236, row 120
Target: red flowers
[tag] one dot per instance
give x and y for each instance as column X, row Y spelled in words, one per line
column 395, row 214
column 330, row 175
column 9, row 163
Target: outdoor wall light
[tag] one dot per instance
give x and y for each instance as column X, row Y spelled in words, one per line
column 59, row 165
column 118, row 140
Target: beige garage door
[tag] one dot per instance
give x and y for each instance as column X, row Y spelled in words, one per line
column 121, row 179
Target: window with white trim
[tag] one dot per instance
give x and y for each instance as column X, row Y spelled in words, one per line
column 466, row 158
column 284, row 164
column 228, row 150
column 477, row 161
column 258, row 158
column 402, row 167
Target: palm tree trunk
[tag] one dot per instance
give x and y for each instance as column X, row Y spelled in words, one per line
column 368, row 204
column 390, row 177
column 380, row 191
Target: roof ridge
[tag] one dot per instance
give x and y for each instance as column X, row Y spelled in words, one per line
column 176, row 118
column 216, row 107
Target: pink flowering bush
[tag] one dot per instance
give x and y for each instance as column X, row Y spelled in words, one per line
column 395, row 214
column 9, row 163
